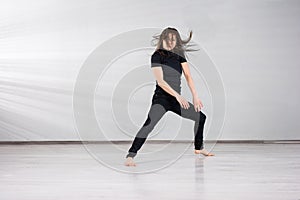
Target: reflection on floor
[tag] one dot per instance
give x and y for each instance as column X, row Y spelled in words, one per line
column 164, row 171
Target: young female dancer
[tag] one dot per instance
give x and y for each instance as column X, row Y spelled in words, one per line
column 167, row 63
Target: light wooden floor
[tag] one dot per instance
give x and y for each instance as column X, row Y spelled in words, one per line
column 72, row 171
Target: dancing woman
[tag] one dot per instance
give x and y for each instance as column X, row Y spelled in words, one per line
column 167, row 63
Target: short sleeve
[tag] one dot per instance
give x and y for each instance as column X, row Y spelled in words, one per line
column 182, row 58
column 155, row 60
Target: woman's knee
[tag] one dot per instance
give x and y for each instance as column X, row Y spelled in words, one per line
column 202, row 117
column 149, row 123
column 147, row 127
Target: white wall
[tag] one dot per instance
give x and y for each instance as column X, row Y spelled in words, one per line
column 254, row 44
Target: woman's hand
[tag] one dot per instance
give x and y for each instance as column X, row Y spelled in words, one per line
column 197, row 104
column 182, row 101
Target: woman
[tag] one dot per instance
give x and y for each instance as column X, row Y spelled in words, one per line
column 167, row 63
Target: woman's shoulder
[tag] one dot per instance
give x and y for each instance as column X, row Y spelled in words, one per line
column 156, row 53
column 159, row 53
column 160, row 56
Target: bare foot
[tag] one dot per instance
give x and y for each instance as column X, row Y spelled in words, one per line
column 203, row 152
column 129, row 162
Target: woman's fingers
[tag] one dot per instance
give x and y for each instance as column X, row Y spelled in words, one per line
column 184, row 103
column 181, row 104
column 187, row 105
column 198, row 107
column 201, row 105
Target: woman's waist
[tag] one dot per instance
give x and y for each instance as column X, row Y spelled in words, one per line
column 161, row 92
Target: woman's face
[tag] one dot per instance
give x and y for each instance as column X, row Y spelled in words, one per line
column 170, row 42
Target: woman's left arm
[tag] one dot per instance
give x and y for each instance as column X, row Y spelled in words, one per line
column 196, row 101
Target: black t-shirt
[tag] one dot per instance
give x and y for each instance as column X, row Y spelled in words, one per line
column 170, row 63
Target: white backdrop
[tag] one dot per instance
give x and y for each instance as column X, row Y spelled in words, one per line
column 254, row 44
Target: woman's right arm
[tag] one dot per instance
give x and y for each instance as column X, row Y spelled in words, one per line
column 158, row 73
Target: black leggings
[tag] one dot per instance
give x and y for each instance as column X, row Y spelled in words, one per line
column 161, row 103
